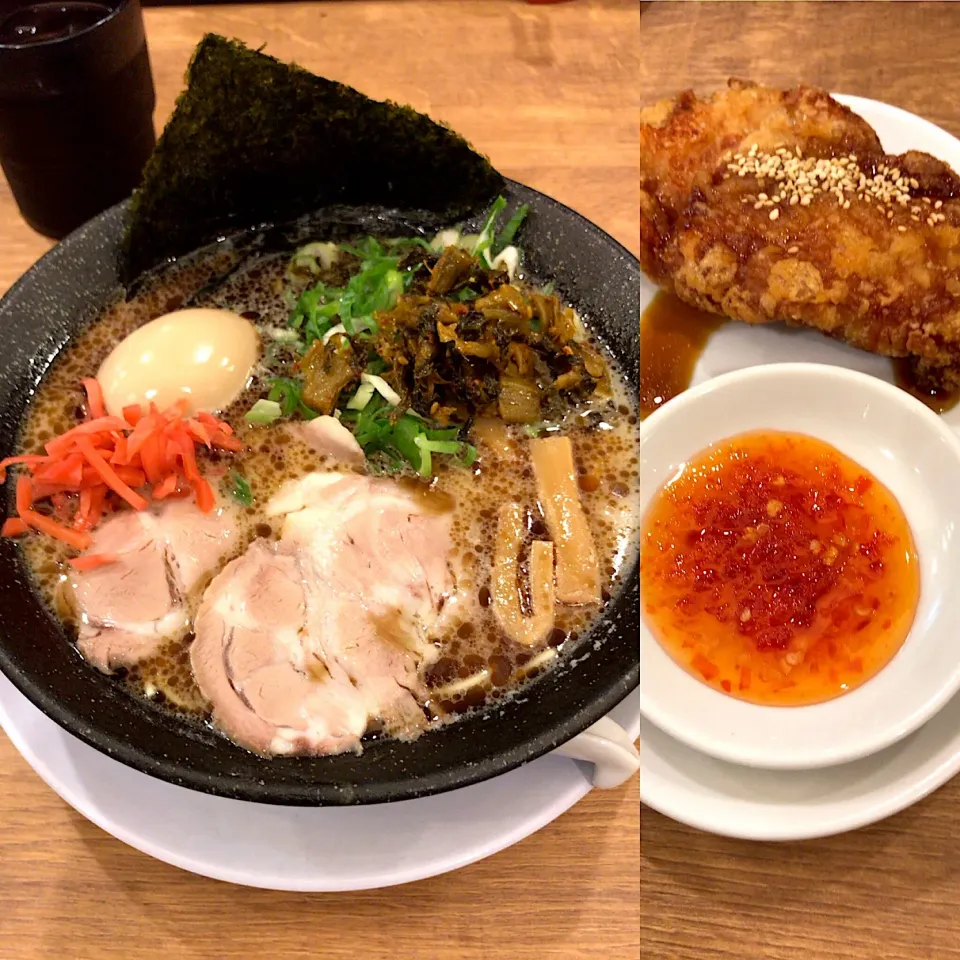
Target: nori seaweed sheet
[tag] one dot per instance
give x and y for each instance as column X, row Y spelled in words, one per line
column 253, row 140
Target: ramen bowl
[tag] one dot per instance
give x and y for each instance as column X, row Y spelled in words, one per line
column 66, row 289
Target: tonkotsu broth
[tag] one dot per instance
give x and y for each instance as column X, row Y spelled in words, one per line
column 606, row 455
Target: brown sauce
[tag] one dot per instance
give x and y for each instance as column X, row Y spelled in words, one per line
column 673, row 336
column 939, row 401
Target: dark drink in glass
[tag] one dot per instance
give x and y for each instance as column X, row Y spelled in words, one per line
column 76, row 107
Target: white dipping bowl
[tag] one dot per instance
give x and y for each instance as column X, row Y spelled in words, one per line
column 905, row 446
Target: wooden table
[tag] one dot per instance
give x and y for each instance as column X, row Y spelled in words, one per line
column 549, row 93
column 890, row 892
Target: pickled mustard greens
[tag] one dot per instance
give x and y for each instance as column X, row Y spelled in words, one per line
column 408, row 341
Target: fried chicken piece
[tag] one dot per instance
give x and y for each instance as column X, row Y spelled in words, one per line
column 767, row 205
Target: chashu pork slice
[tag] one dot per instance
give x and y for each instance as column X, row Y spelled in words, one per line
column 301, row 644
column 127, row 609
column 329, row 438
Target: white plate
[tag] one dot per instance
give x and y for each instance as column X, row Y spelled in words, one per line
column 770, row 805
column 912, row 452
column 299, row 848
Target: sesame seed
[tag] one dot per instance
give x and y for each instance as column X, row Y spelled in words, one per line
column 774, row 214
column 793, row 250
column 902, row 229
column 914, row 217
column 938, row 205
column 798, row 180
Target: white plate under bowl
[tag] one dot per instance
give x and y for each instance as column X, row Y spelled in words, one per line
column 299, row 848
column 916, row 456
column 777, row 805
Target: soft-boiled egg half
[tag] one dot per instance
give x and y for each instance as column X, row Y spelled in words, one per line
column 203, row 355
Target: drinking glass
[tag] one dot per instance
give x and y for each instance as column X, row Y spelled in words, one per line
column 76, row 107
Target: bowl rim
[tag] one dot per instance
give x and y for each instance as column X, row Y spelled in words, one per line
column 668, row 717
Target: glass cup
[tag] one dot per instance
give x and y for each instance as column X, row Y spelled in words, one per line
column 76, row 107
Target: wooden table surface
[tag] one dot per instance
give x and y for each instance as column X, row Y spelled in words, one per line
column 549, row 93
column 892, row 891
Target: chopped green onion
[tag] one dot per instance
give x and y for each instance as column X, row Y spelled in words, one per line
column 362, row 397
column 510, row 230
column 485, row 239
column 375, row 287
column 442, row 433
column 428, row 447
column 444, row 239
column 314, row 311
column 284, row 336
column 393, row 284
column 425, row 467
column 389, row 443
column 508, row 258
column 308, row 256
column 288, row 393
column 449, row 447
column 240, row 489
column 467, row 293
column 263, row 412
column 333, row 331
column 382, row 387
column 403, row 439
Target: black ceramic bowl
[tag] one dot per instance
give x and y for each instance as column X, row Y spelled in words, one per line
column 50, row 304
